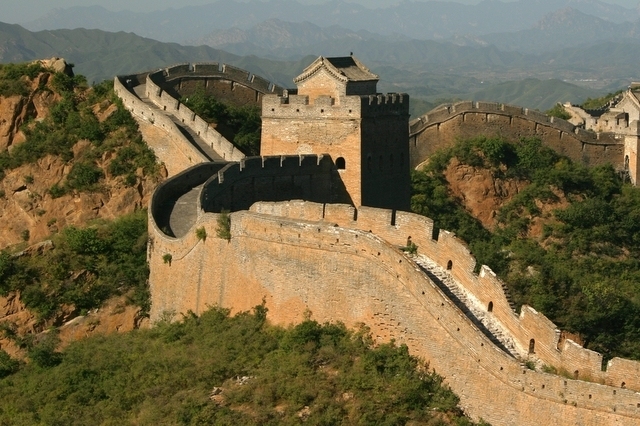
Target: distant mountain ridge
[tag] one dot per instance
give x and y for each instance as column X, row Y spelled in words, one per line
column 558, row 30
column 422, row 20
column 430, row 71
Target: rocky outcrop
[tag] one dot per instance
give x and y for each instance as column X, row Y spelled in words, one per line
column 28, row 212
column 17, row 110
column 481, row 193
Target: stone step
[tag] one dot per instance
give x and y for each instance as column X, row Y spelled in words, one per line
column 476, row 313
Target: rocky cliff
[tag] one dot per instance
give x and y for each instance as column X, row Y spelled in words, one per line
column 31, row 213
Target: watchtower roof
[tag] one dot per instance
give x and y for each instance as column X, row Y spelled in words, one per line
column 345, row 68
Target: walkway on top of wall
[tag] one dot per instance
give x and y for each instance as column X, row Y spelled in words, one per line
column 190, row 135
column 181, row 213
column 477, row 314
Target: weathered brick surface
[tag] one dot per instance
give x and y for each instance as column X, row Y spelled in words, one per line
column 346, row 273
column 170, row 145
column 442, row 127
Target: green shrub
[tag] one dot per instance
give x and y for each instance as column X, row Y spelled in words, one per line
column 84, row 176
column 224, row 225
column 177, row 364
column 201, row 233
column 8, row 365
column 57, row 191
column 558, row 111
column 166, row 258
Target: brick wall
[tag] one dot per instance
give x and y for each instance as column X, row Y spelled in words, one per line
column 442, row 127
column 346, row 274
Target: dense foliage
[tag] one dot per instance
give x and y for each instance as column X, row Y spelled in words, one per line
column 583, row 272
column 86, row 267
column 72, row 119
column 14, row 77
column 240, row 124
column 216, row 369
column 559, row 112
column 601, row 102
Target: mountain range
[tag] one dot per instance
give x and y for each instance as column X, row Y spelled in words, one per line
column 422, row 20
column 546, row 55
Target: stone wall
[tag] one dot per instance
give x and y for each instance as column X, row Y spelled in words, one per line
column 277, row 178
column 442, row 126
column 168, row 103
column 225, row 82
column 343, row 265
column 187, row 154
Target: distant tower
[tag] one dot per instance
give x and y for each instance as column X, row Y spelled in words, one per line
column 337, row 111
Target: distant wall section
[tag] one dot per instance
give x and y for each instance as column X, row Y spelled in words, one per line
column 442, row 126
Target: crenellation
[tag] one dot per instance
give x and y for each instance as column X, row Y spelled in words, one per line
column 178, row 69
column 536, row 116
column 207, row 68
column 561, row 124
column 487, row 106
column 511, row 110
column 236, row 73
column 442, row 126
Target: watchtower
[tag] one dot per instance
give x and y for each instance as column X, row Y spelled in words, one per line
column 336, row 110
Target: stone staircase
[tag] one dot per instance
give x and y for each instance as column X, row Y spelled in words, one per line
column 469, row 305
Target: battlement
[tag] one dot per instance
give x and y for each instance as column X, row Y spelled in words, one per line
column 534, row 333
column 327, row 107
column 443, row 125
column 239, row 185
column 168, row 103
column 336, row 263
column 200, row 70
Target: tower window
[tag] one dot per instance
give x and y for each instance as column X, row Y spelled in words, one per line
column 340, row 163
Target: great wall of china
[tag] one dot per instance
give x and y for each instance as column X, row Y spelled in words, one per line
column 442, row 126
column 339, row 263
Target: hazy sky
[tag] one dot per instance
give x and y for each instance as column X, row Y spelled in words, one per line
column 17, row 11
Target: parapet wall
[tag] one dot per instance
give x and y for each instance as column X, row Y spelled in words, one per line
column 168, row 103
column 441, row 127
column 202, row 70
column 272, row 178
column 453, row 254
column 326, row 107
column 123, row 86
column 300, row 258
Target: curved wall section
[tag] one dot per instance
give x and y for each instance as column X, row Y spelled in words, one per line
column 273, row 178
column 166, row 102
column 442, row 126
column 358, row 275
column 189, row 155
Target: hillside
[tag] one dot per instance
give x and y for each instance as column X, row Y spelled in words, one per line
column 75, row 177
column 429, row 71
column 214, row 369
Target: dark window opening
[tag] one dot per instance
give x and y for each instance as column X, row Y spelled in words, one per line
column 340, row 163
column 532, row 346
column 490, row 308
column 449, row 265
